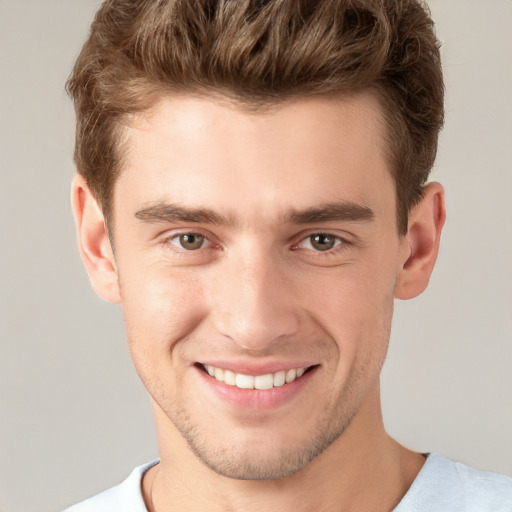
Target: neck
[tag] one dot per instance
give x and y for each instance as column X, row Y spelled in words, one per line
column 364, row 469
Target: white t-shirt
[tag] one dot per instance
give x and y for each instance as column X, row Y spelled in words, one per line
column 441, row 486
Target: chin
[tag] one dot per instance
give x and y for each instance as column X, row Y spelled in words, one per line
column 258, row 457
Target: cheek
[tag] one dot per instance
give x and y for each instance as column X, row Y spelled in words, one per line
column 160, row 309
column 354, row 305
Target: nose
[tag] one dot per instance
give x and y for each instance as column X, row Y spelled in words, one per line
column 254, row 303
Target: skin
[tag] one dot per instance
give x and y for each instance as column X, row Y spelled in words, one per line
column 257, row 291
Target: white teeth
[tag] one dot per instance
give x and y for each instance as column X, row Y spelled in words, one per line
column 229, row 378
column 264, row 381
column 219, row 374
column 279, row 378
column 267, row 381
column 291, row 375
column 244, row 381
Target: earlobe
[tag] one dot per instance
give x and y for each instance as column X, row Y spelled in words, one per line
column 421, row 243
column 93, row 241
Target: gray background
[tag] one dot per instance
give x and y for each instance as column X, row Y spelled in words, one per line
column 74, row 418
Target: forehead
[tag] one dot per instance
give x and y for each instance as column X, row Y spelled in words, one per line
column 207, row 153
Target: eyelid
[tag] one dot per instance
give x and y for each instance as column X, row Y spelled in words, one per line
column 344, row 243
column 334, row 233
column 179, row 235
column 344, row 239
column 169, row 236
column 338, row 241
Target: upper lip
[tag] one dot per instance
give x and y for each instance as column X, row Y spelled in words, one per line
column 256, row 368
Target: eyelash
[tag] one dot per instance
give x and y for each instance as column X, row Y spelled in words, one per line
column 340, row 244
column 337, row 240
column 169, row 241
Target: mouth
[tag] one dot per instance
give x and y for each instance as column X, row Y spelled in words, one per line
column 259, row 382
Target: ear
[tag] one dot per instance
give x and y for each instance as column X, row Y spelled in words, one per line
column 420, row 245
column 93, row 241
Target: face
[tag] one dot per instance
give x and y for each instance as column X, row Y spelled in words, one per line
column 257, row 257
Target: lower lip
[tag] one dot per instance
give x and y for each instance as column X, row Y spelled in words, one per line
column 256, row 398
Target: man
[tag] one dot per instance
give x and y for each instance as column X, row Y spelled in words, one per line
column 252, row 188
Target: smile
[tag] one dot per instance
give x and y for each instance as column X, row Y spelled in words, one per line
column 260, row 382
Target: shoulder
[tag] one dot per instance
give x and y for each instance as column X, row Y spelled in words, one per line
column 483, row 488
column 443, row 484
column 125, row 497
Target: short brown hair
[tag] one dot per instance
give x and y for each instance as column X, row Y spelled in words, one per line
column 258, row 53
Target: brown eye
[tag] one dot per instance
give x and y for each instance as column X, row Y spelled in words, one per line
column 321, row 242
column 189, row 241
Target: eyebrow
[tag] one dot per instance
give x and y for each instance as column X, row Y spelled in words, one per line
column 341, row 211
column 166, row 212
